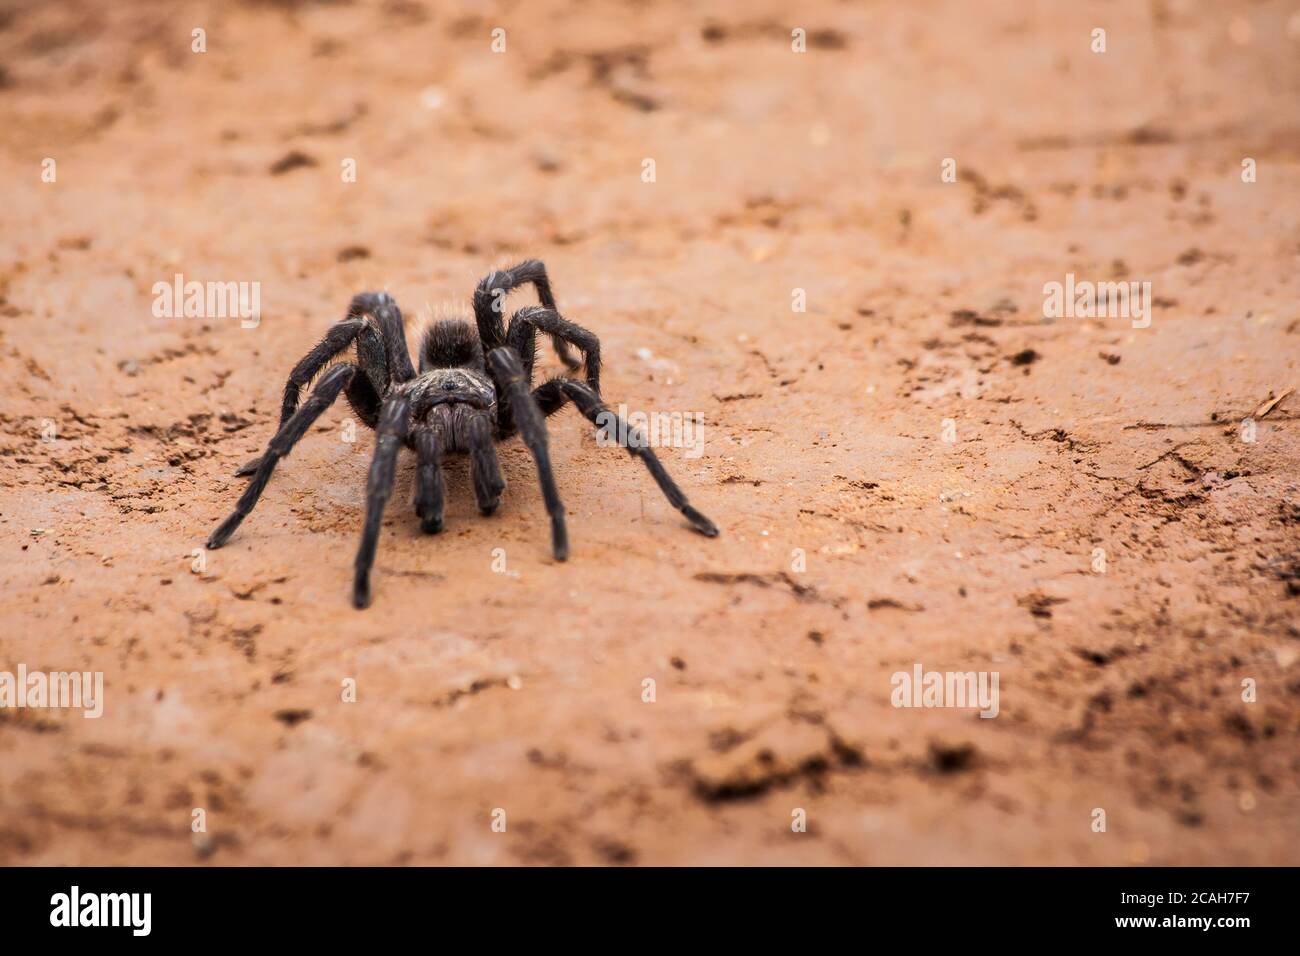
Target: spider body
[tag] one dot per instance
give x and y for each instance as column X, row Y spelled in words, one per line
column 473, row 389
column 452, row 386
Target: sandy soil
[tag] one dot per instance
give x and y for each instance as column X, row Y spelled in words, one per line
column 522, row 690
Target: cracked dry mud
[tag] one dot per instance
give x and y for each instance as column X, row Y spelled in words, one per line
column 775, row 171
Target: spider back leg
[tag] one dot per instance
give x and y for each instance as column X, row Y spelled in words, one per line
column 365, row 391
column 339, row 337
column 387, row 317
column 551, row 395
column 375, row 323
column 521, row 336
column 321, row 398
column 489, row 305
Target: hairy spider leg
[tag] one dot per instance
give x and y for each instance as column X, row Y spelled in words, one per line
column 381, row 307
column 522, row 337
column 338, row 338
column 382, row 356
column 511, row 381
column 322, row 397
column 552, row 395
column 394, row 420
column 489, row 304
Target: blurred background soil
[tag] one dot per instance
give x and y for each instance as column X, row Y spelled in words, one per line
column 522, row 690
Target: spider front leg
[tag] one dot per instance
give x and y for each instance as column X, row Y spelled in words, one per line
column 394, row 420
column 551, row 396
column 511, row 382
column 322, row 397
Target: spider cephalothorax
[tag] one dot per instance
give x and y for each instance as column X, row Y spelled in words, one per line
column 473, row 389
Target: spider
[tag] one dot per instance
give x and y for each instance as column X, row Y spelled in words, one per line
column 474, row 389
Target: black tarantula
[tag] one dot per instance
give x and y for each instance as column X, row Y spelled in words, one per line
column 472, row 390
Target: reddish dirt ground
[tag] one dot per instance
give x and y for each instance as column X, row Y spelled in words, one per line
column 478, row 690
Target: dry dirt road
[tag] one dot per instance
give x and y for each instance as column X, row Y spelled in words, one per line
column 917, row 468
